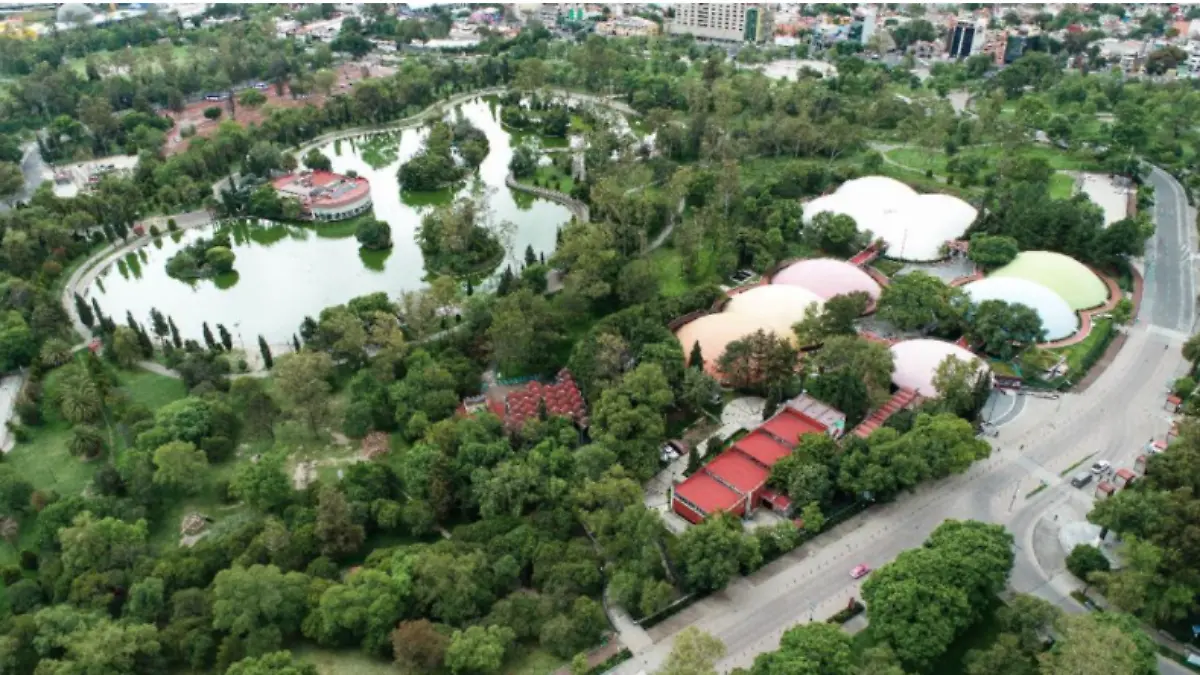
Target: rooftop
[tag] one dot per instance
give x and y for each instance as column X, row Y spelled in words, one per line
column 562, row 398
column 707, row 493
column 322, row 189
column 738, row 472
column 789, row 425
column 761, row 446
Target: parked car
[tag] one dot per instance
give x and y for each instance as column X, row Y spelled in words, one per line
column 1101, row 467
column 860, row 571
column 1080, row 479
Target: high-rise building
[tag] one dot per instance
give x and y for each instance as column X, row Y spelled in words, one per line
column 726, row 21
column 965, row 38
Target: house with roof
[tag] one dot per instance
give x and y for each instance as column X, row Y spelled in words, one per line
column 560, row 398
column 736, row 480
column 324, row 195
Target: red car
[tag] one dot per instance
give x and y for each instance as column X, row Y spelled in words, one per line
column 860, row 571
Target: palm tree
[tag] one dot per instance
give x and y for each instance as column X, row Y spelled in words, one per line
column 86, row 441
column 78, row 399
column 1191, row 350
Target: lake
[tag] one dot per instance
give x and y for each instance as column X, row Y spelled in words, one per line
column 287, row 272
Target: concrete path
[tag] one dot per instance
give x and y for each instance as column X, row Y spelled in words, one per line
column 10, row 387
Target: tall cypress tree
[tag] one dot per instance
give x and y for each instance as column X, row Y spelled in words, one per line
column 175, row 339
column 208, row 339
column 696, row 359
column 158, row 323
column 226, row 338
column 530, row 256
column 265, row 350
column 84, row 311
column 295, row 342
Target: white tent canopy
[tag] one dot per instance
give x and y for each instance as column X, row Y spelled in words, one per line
column 914, row 226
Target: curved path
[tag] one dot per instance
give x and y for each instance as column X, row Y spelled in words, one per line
column 1110, row 420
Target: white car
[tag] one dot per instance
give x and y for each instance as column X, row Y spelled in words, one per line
column 1101, row 467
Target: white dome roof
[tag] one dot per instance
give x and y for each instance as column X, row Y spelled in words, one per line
column 782, row 305
column 914, row 226
column 1058, row 318
column 917, row 362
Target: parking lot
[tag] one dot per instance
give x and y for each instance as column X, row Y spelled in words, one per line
column 72, row 179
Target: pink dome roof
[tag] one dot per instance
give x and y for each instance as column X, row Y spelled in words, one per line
column 827, row 278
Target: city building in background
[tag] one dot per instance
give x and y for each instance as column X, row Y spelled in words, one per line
column 726, row 22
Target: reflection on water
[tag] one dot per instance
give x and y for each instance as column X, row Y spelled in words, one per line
column 285, row 272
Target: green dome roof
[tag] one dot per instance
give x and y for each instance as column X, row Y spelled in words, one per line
column 1072, row 280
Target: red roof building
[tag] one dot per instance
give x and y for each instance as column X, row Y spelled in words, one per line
column 702, row 495
column 762, row 447
column 736, row 480
column 562, row 398
column 324, row 195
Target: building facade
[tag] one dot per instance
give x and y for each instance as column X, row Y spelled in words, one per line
column 965, row 38
column 725, row 21
column 735, row 482
column 325, row 196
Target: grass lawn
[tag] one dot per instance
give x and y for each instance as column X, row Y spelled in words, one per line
column 1062, row 185
column 1075, row 353
column 551, row 177
column 920, row 159
column 528, row 661
column 668, row 265
column 343, row 662
column 47, row 464
column 151, row 389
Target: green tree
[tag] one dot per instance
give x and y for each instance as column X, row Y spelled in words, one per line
column 629, row 418
column 1004, row 329
column 712, row 552
column 146, row 602
column 220, row 259
column 265, row 350
column 992, row 251
column 259, row 604
column 303, row 379
column 15, row 491
column 181, row 466
column 813, row 519
column 1003, row 657
column 693, row 653
column 1085, row 559
column 258, row 409
column 274, row 663
column 761, row 362
column 373, row 234
column 86, row 442
column 695, row 357
column 962, row 386
column 336, row 533
column 1105, row 643
column 920, row 301
column 262, row 484
column 126, row 347
column 316, row 161
column 478, row 650
column 101, row 545
column 699, row 389
column 808, row 648
column 870, row 362
column 420, row 645
column 519, row 320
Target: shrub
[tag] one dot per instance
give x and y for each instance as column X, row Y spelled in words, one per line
column 154, row 231
column 212, row 112
column 172, row 225
column 1085, row 559
column 10, row 574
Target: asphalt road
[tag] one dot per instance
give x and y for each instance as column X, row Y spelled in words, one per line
column 1112, row 420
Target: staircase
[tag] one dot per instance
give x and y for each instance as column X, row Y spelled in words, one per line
column 865, row 256
column 901, row 400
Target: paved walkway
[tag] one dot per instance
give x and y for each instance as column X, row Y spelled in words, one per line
column 81, row 279
column 10, row 387
column 1115, row 295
